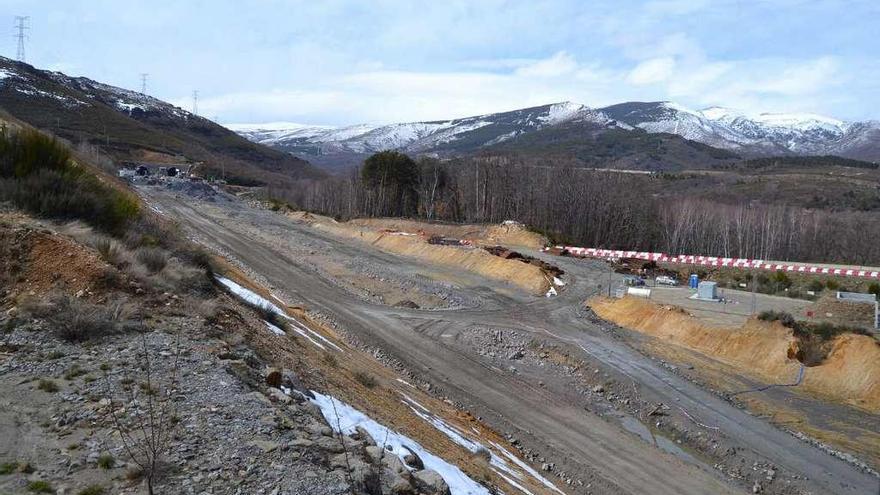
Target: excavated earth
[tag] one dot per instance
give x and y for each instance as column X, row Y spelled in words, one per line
column 578, row 397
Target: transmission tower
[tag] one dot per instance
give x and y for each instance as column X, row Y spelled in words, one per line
column 21, row 25
column 195, row 110
column 144, row 76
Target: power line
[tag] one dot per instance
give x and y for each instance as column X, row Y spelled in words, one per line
column 144, row 76
column 195, row 109
column 21, row 25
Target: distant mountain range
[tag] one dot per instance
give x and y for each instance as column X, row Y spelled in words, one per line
column 740, row 134
column 128, row 125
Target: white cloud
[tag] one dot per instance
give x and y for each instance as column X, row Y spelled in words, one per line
column 655, row 70
column 559, row 64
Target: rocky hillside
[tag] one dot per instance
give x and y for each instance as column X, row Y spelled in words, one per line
column 132, row 126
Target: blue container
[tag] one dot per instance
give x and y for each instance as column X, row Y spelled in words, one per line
column 694, row 281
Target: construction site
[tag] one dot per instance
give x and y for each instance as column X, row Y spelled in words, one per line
column 607, row 375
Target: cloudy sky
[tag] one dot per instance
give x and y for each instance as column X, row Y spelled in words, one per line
column 342, row 62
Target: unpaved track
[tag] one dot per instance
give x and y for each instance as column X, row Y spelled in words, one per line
column 613, row 460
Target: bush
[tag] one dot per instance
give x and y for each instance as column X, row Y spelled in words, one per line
column 786, row 319
column 92, row 490
column 365, row 379
column 816, row 286
column 75, row 320
column 38, row 175
column 47, row 386
column 874, row 288
column 155, row 259
column 106, row 461
column 40, row 486
column 15, row 467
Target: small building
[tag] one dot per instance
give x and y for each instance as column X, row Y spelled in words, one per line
column 707, row 291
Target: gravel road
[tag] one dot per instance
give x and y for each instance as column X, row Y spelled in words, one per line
column 595, row 451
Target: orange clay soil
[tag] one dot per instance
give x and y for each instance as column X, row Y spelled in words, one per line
column 849, row 373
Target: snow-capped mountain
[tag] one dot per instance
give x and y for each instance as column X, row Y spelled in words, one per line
column 748, row 135
column 760, row 134
column 418, row 137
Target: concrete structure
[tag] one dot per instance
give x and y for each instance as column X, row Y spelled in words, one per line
column 707, row 290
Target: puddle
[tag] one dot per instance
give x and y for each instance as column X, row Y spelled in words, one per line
column 635, row 426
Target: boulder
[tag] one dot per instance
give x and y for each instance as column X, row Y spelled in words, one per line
column 430, row 482
column 364, row 436
column 273, row 377
column 413, row 460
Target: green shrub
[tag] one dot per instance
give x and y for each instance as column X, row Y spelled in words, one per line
column 92, row 490
column 40, row 486
column 832, row 284
column 786, row 319
column 874, row 288
column 38, row 175
column 47, row 386
column 106, row 461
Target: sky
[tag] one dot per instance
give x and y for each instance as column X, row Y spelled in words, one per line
column 336, row 62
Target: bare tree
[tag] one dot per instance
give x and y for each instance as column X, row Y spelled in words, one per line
column 144, row 413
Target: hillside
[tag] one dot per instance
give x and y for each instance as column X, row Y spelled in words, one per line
column 710, row 136
column 132, row 126
column 601, row 147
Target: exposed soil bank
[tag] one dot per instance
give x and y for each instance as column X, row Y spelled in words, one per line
column 527, row 277
column 850, row 371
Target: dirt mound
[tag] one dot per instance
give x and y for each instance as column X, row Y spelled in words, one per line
column 829, row 308
column 528, row 277
column 850, row 371
column 507, row 233
column 40, row 260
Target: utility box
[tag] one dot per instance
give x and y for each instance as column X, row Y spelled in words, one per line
column 707, row 291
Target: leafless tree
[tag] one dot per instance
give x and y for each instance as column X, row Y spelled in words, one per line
column 144, row 412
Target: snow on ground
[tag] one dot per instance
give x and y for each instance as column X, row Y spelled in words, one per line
column 499, row 464
column 250, row 296
column 529, row 469
column 300, row 328
column 343, row 418
column 255, row 299
column 274, row 329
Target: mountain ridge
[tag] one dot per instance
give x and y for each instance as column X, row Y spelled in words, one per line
column 752, row 135
column 127, row 125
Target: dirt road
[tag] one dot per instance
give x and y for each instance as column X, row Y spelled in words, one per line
column 595, row 450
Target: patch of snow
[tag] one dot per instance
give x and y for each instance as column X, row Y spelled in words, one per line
column 513, row 483
column 408, row 384
column 343, row 418
column 274, row 329
column 529, row 469
column 250, row 296
column 551, row 292
column 499, row 464
column 310, row 339
column 298, row 326
column 257, row 300
column 558, row 282
column 562, row 112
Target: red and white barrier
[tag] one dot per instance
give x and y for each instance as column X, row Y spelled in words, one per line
column 719, row 262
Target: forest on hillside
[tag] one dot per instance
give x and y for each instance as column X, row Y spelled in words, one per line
column 588, row 208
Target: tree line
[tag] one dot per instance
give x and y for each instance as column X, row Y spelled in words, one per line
column 585, row 207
